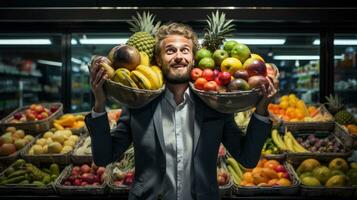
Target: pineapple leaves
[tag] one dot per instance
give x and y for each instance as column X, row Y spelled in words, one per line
column 144, row 23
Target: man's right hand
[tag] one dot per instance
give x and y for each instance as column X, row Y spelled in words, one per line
column 97, row 79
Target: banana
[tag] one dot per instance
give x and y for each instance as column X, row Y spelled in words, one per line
column 298, row 147
column 150, row 74
column 122, row 76
column 158, row 72
column 277, row 140
column 144, row 58
column 289, row 143
column 140, row 80
column 232, row 162
column 236, row 179
column 107, row 68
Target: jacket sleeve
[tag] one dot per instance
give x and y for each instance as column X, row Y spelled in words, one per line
column 108, row 145
column 245, row 148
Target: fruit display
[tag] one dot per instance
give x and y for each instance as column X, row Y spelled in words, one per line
column 329, row 144
column 85, row 149
column 123, row 171
column 336, row 173
column 235, row 169
column 69, row 121
column 270, row 147
column 58, row 142
column 13, row 140
column 22, row 173
column 287, row 142
column 84, row 175
column 35, row 112
column 292, row 109
column 341, row 115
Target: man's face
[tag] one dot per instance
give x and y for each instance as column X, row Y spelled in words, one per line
column 176, row 58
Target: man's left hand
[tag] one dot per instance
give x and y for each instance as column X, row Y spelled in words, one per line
column 267, row 95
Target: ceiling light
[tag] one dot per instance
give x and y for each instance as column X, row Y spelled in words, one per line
column 338, row 42
column 260, row 41
column 76, row 60
column 103, row 41
column 303, row 57
column 74, row 41
column 25, row 42
column 48, row 62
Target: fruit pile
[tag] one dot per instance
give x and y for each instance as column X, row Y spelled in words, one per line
column 34, row 113
column 292, row 109
column 69, row 121
column 270, row 147
column 287, row 142
column 223, row 70
column 328, row 144
column 336, row 174
column 58, row 142
column 13, row 140
column 22, row 173
column 85, row 148
column 85, row 175
column 123, row 171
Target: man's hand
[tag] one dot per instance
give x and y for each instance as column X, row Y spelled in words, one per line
column 268, row 94
column 97, row 79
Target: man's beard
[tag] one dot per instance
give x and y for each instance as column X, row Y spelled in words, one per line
column 176, row 79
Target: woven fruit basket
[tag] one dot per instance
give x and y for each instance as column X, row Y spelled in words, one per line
column 25, row 187
column 78, row 158
column 318, row 191
column 229, row 102
column 113, row 188
column 131, row 97
column 33, row 127
column 347, row 139
column 270, row 190
column 68, row 190
column 11, row 158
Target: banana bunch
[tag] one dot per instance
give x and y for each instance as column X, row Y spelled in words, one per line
column 270, row 147
column 287, row 142
column 142, row 77
column 236, row 170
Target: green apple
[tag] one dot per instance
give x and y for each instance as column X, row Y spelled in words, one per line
column 241, row 52
column 228, row 46
column 206, row 62
column 202, row 53
column 219, row 55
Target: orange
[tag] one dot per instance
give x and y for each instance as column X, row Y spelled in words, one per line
column 248, row 177
column 270, row 173
column 284, row 182
column 259, row 178
column 272, row 164
column 284, row 104
column 262, row 162
column 272, row 182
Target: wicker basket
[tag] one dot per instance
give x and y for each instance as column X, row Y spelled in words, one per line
column 33, row 127
column 30, row 189
column 13, row 157
column 274, row 190
column 226, row 190
column 80, row 159
column 113, row 189
column 279, row 157
column 317, row 126
column 62, row 159
column 346, row 191
column 347, row 139
column 77, row 190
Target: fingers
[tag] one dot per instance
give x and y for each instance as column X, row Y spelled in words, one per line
column 99, row 76
column 272, row 90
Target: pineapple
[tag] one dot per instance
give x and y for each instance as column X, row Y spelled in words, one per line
column 342, row 116
column 218, row 28
column 144, row 30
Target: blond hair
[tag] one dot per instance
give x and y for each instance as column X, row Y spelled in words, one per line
column 175, row 29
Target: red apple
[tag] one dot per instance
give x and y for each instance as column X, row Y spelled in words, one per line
column 199, row 83
column 258, row 81
column 280, row 168
column 219, row 83
column 53, row 108
column 224, row 77
column 208, row 74
column 255, row 66
column 88, row 177
column 77, row 182
column 39, row 109
column 243, row 74
column 33, row 106
column 17, row 115
column 39, row 117
column 216, row 72
column 210, row 86
column 221, row 180
column 85, row 168
column 84, row 183
column 196, row 73
column 100, row 171
column 76, row 169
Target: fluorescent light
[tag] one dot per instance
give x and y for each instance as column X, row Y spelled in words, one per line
column 303, row 57
column 74, row 42
column 260, row 41
column 25, row 42
column 76, row 60
column 103, row 40
column 48, row 62
column 338, row 42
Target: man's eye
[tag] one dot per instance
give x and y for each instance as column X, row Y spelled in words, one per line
column 185, row 51
column 170, row 51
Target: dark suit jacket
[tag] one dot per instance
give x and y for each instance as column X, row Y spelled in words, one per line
column 144, row 128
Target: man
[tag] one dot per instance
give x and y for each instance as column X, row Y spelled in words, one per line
column 176, row 137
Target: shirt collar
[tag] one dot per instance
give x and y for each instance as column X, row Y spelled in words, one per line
column 169, row 96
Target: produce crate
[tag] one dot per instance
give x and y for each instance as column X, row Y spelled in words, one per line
column 113, row 189
column 273, row 190
column 33, row 127
column 30, row 189
column 12, row 158
column 62, row 159
column 226, row 190
column 348, row 139
column 78, row 131
column 79, row 159
column 295, row 157
column 77, row 190
column 318, row 191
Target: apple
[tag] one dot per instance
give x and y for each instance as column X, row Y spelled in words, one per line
column 219, row 83
column 196, row 73
column 258, row 81
column 44, row 114
column 76, row 169
column 199, row 83
column 243, row 74
column 39, row 109
column 32, row 106
column 53, row 108
column 253, row 55
column 228, row 46
column 17, row 115
column 84, row 183
column 219, row 55
column 85, row 168
column 206, row 63
column 280, row 168
column 255, row 66
column 216, row 72
column 202, row 53
column 208, row 74
column 88, row 177
column 210, row 86
column 231, row 65
column 238, row 84
column 224, row 77
column 100, row 171
column 241, row 52
column 30, row 117
column 39, row 117
column 221, row 180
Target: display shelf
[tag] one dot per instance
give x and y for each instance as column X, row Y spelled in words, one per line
column 306, row 90
column 299, row 75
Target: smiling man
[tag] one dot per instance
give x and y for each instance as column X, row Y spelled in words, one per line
column 176, row 137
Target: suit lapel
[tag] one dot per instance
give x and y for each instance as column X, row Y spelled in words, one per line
column 197, row 125
column 156, row 108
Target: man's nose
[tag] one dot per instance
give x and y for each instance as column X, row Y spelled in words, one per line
column 178, row 57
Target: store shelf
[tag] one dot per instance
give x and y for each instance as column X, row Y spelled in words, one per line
column 306, row 90
column 299, row 75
